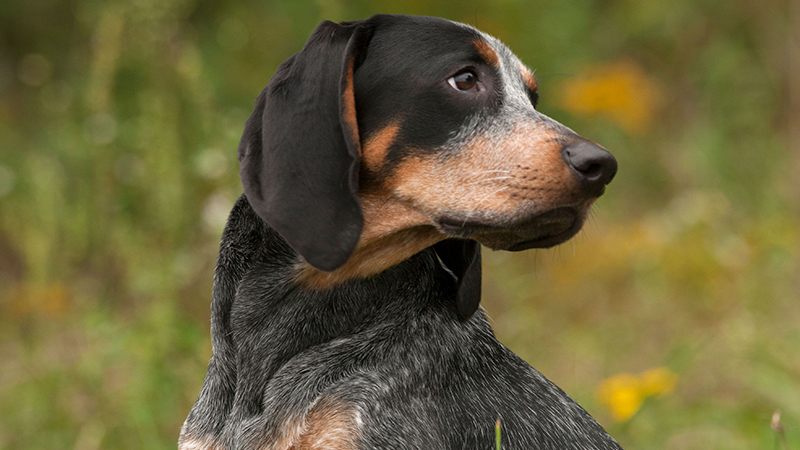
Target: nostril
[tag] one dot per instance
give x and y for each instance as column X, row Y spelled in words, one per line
column 591, row 171
column 594, row 165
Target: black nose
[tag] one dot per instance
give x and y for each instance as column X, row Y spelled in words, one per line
column 593, row 165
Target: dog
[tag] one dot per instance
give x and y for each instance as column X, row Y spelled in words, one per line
column 345, row 311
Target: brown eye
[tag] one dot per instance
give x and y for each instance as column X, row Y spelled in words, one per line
column 465, row 81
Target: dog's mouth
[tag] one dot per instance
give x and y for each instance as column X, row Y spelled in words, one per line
column 542, row 230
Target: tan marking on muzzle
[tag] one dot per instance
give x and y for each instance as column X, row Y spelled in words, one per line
column 490, row 179
column 490, row 176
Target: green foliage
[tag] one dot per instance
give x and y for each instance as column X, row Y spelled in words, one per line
column 498, row 435
column 119, row 122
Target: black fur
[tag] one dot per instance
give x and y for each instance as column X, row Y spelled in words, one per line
column 394, row 344
column 401, row 78
column 408, row 348
column 305, row 182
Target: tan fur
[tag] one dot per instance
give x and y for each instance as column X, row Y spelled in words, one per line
column 375, row 148
column 485, row 173
column 329, row 425
column 489, row 178
column 487, row 53
column 392, row 233
column 191, row 443
column 528, row 77
column 349, row 103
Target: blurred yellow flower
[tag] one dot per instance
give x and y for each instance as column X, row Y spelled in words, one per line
column 624, row 393
column 620, row 91
column 51, row 300
column 658, row 381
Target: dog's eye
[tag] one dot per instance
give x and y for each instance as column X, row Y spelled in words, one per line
column 465, row 81
column 534, row 96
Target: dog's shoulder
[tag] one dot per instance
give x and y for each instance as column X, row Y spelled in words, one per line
column 395, row 390
column 455, row 401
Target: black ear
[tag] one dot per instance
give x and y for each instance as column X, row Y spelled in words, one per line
column 300, row 149
column 463, row 258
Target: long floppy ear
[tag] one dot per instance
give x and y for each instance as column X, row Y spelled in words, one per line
column 300, row 149
column 463, row 258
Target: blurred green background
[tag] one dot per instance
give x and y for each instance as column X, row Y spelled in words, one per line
column 673, row 318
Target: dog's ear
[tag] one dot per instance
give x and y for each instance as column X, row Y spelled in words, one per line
column 463, row 258
column 300, row 149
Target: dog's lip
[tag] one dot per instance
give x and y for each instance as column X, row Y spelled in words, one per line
column 465, row 227
column 543, row 230
column 550, row 240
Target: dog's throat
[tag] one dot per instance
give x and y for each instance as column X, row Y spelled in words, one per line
column 370, row 259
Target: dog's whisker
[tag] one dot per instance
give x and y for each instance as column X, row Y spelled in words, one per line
column 479, row 201
column 486, row 180
column 489, row 172
column 492, row 171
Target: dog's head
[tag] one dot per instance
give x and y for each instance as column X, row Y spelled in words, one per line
column 385, row 136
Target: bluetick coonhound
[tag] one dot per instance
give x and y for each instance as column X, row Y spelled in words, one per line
column 345, row 302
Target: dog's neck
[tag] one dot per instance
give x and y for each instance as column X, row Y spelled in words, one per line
column 392, row 233
column 263, row 323
column 258, row 268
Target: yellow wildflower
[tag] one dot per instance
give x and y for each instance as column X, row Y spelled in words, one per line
column 658, row 381
column 51, row 300
column 625, row 393
column 620, row 91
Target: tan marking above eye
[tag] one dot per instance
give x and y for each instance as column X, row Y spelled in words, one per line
column 486, row 52
column 529, row 78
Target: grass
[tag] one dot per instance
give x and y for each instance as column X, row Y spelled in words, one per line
column 119, row 124
column 497, row 435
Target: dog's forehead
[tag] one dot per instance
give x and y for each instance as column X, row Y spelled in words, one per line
column 517, row 78
column 425, row 45
column 421, row 43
